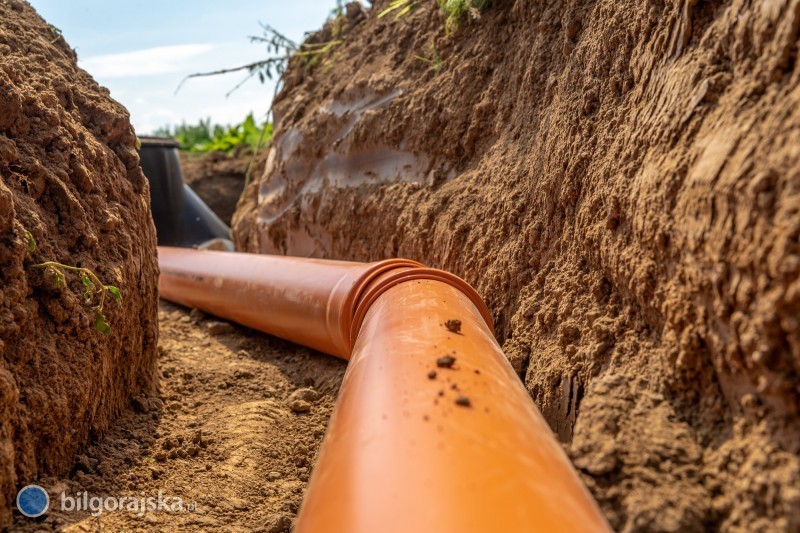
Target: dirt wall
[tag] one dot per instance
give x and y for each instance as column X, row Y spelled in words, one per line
column 621, row 183
column 70, row 177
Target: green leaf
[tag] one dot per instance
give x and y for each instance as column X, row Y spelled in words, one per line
column 87, row 282
column 114, row 292
column 58, row 277
column 31, row 241
column 404, row 11
column 101, row 324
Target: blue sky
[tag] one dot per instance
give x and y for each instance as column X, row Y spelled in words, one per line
column 141, row 50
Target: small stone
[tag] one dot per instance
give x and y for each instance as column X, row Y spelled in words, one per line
column 446, row 361
column 156, row 404
column 463, row 401
column 432, row 374
column 216, row 327
column 197, row 437
column 193, row 450
column 160, row 456
column 173, row 454
column 300, row 406
column 306, row 394
column 155, row 473
column 274, row 476
column 453, row 325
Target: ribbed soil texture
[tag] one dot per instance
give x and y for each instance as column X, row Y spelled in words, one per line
column 71, row 178
column 621, row 183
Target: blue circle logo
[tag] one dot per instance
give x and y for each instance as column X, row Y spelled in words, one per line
column 33, row 501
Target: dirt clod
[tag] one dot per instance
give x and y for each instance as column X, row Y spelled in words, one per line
column 217, row 327
column 453, row 325
column 463, row 401
column 432, row 374
column 446, row 361
column 305, row 394
column 300, row 406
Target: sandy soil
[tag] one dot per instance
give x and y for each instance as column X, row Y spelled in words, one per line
column 233, row 432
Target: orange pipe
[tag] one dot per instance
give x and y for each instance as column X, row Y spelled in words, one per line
column 308, row 301
column 432, row 430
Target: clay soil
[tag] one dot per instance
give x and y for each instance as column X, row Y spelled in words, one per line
column 233, row 431
column 70, row 177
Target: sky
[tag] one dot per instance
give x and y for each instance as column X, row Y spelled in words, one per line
column 142, row 49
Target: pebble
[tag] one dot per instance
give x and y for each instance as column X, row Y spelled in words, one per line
column 300, row 406
column 216, row 327
column 306, row 394
column 446, row 361
column 463, row 401
column 453, row 325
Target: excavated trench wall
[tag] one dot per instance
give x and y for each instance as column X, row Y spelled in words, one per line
column 71, row 177
column 621, row 183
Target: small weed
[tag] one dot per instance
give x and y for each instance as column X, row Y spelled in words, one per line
column 400, row 7
column 435, row 61
column 457, row 10
column 31, row 241
column 56, row 32
column 94, row 289
column 280, row 50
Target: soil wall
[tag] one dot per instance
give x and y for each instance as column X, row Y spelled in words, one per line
column 71, row 177
column 621, row 183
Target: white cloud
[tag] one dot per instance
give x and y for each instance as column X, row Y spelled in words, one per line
column 147, row 62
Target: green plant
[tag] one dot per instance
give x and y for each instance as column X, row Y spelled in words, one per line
column 401, row 7
column 280, row 50
column 436, row 61
column 457, row 10
column 94, row 289
column 56, row 33
column 205, row 137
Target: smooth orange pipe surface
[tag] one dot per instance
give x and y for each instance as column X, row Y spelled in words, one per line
column 308, row 301
column 432, row 430
column 415, row 446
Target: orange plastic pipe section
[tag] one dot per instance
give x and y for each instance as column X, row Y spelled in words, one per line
column 308, row 301
column 417, row 442
column 413, row 446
